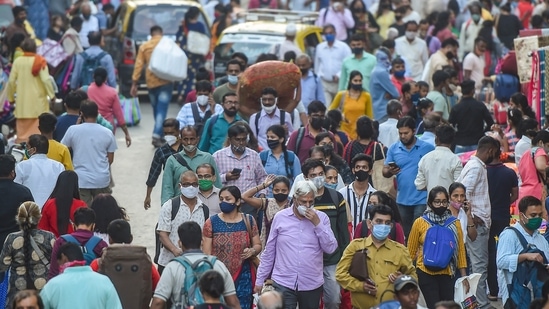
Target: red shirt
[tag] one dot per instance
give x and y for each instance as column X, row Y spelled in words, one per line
column 155, row 275
column 48, row 222
column 525, row 9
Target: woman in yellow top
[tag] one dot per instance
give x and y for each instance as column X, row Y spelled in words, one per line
column 29, row 79
column 437, row 285
column 219, row 25
column 385, row 17
column 353, row 103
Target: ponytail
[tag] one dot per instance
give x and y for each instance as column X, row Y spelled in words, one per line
column 99, row 80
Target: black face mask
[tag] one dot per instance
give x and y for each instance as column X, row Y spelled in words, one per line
column 449, row 55
column 317, row 123
column 230, row 113
column 328, row 149
column 357, row 50
column 361, row 175
column 398, row 17
column 439, row 211
column 273, row 143
column 357, row 87
column 280, row 197
column 304, row 72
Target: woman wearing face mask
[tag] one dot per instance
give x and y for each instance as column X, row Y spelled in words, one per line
column 332, row 176
column 385, row 17
column 353, row 103
column 269, row 206
column 436, row 284
column 299, row 228
column 365, row 24
column 461, row 209
column 326, row 141
column 382, row 198
column 226, row 236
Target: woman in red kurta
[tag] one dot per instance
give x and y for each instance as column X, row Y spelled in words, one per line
column 58, row 212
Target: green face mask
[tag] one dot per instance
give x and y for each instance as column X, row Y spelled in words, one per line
column 533, row 223
column 205, row 184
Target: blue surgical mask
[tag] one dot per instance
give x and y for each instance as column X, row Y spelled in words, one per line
column 227, row 207
column 331, row 185
column 330, row 37
column 415, row 98
column 233, row 79
column 399, row 74
column 381, row 231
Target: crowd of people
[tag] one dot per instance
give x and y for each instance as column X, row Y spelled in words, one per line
column 391, row 175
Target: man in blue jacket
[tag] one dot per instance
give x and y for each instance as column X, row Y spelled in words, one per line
column 382, row 89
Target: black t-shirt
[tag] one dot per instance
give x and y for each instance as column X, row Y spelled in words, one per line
column 354, row 147
column 12, row 196
column 472, row 119
column 501, row 180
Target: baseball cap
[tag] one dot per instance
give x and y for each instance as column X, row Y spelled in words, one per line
column 402, row 281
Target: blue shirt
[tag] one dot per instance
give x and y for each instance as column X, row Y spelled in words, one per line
column 106, row 62
column 214, row 141
column 63, row 124
column 428, row 137
column 407, row 160
column 80, row 285
column 381, row 84
column 102, row 19
column 311, row 90
column 278, row 167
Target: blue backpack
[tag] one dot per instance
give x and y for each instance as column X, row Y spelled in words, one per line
column 439, row 246
column 88, row 67
column 87, row 248
column 527, row 273
column 190, row 292
column 505, row 86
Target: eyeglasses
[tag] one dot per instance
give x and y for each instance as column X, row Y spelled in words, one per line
column 231, row 103
column 188, row 184
column 440, row 203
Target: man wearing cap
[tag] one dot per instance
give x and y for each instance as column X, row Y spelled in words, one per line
column 407, row 292
column 387, row 260
column 288, row 44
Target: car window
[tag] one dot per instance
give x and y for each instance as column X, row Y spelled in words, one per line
column 167, row 16
column 6, row 16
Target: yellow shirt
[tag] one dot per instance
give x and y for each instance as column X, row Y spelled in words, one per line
column 32, row 91
column 143, row 58
column 388, row 258
column 385, row 21
column 415, row 246
column 352, row 109
column 60, row 153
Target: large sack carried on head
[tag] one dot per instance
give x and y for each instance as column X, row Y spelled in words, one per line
column 283, row 76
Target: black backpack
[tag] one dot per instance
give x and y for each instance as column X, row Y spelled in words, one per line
column 199, row 121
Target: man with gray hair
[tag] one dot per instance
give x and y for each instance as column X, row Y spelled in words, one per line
column 430, row 122
column 388, row 132
column 270, row 300
column 311, row 86
column 301, row 229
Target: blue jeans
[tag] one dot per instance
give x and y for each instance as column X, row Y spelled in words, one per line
column 462, row 149
column 332, row 290
column 409, row 213
column 160, row 100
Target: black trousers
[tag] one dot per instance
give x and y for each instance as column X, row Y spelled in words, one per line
column 435, row 287
column 495, row 229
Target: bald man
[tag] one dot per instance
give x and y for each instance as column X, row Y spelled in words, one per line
column 270, row 300
column 90, row 24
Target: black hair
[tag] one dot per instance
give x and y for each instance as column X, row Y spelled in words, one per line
column 322, row 135
column 527, row 127
column 357, row 38
column 226, row 95
column 282, row 179
column 406, row 121
column 202, row 74
column 94, row 38
column 362, row 157
column 445, row 134
column 433, row 194
column 16, row 41
column 450, row 70
column 156, row 28
column 206, row 165
column 386, row 199
column 65, row 190
column 40, row 142
column 410, row 22
column 520, row 99
column 73, row 100
column 100, row 76
column 316, row 107
column 17, row 9
column 480, row 39
column 422, row 84
column 7, row 164
column 406, row 86
column 468, row 87
column 108, row 6
column 536, row 21
column 439, row 77
column 486, row 143
column 380, row 209
column 514, row 115
column 233, row 190
column 450, row 42
column 397, row 60
column 443, row 20
column 541, row 136
column 389, row 44
column 269, row 90
column 333, row 120
column 235, row 62
column 528, row 201
column 212, row 284
column 46, row 123
column 485, row 32
column 84, row 215
column 76, row 22
column 310, row 164
column 280, row 132
column 331, row 26
column 241, row 56
column 289, row 56
column 352, row 75
column 365, row 127
column 448, row 304
column 222, row 23
column 253, row 143
column 192, row 12
column 235, row 130
column 454, row 186
column 423, row 103
column 71, row 250
column 89, row 109
column 203, row 85
column 266, row 57
column 120, row 231
column 190, row 235
column 106, row 210
column 171, row 123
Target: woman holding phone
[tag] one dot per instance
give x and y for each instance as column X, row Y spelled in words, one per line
column 461, row 209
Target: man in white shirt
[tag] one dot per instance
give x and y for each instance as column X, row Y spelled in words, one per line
column 469, row 29
column 329, row 57
column 93, row 148
column 357, row 193
column 528, row 128
column 288, row 44
column 473, row 64
column 269, row 115
column 38, row 173
column 90, row 24
column 413, row 49
column 440, row 167
column 388, row 132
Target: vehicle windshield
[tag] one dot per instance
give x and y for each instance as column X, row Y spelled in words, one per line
column 251, row 49
column 6, row 17
column 167, row 16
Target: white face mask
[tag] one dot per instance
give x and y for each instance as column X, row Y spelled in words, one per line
column 189, row 148
column 268, row 109
column 410, row 35
column 202, row 100
column 302, row 210
column 189, row 192
column 319, row 181
column 170, row 139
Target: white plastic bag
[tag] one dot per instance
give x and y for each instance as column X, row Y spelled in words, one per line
column 198, row 43
column 460, row 295
column 168, row 61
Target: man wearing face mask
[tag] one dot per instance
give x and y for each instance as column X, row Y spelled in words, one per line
column 469, row 30
column 215, row 129
column 381, row 86
column 365, row 295
column 399, row 24
column 329, row 56
column 414, row 49
column 509, row 250
column 474, row 178
column 269, row 115
column 334, row 206
column 188, row 159
column 173, row 145
column 311, row 86
column 90, row 24
column 197, row 113
column 360, row 61
column 190, row 208
column 358, row 192
column 443, row 57
column 234, row 68
column 398, row 72
column 440, row 82
column 208, row 193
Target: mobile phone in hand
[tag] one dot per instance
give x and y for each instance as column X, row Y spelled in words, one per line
column 370, row 282
column 236, row 171
column 393, row 165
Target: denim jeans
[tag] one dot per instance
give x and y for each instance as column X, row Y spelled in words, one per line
column 160, row 100
column 332, row 290
column 409, row 213
column 462, row 149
